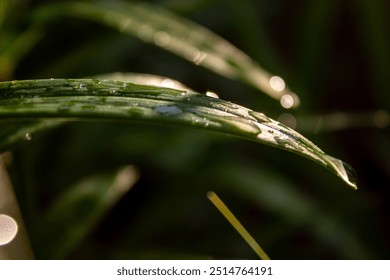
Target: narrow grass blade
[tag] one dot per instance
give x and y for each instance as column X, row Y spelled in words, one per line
column 12, row 50
column 143, row 79
column 95, row 99
column 77, row 212
column 15, row 132
column 218, row 203
column 180, row 36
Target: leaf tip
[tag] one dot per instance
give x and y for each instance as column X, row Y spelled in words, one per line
column 344, row 171
column 351, row 177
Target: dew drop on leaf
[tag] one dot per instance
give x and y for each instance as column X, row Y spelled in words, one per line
column 28, row 136
column 351, row 173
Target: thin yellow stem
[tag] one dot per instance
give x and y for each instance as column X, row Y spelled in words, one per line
column 218, row 203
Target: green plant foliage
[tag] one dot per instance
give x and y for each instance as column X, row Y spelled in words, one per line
column 96, row 99
column 64, row 141
column 178, row 35
column 79, row 210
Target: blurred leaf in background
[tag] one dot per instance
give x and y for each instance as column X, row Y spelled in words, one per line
column 333, row 54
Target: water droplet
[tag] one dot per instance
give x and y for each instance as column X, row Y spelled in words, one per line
column 8, row 229
column 200, row 56
column 145, row 32
column 260, row 117
column 344, row 170
column 168, row 110
column 28, row 136
column 381, row 118
column 192, row 54
column 112, row 91
column 277, row 83
column 125, row 24
column 351, row 174
column 76, row 87
column 206, row 122
column 288, row 119
column 168, row 83
column 161, row 38
column 195, row 120
column 212, row 94
column 287, row 101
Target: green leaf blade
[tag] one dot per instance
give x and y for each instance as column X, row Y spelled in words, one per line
column 83, row 205
column 180, row 36
column 91, row 99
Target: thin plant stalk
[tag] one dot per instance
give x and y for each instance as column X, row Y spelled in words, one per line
column 218, row 203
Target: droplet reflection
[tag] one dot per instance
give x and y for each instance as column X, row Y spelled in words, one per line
column 125, row 24
column 277, row 83
column 168, row 110
column 200, row 56
column 381, row 118
column 168, row 83
column 8, row 229
column 162, row 38
column 351, row 174
column 212, row 94
column 287, row 101
column 288, row 119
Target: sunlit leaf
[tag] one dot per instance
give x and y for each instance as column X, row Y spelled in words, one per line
column 180, row 36
column 107, row 100
column 143, row 79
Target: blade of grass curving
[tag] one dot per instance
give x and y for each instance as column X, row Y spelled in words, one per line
column 13, row 132
column 180, row 36
column 77, row 212
column 108, row 100
column 16, row 132
column 143, row 79
column 14, row 49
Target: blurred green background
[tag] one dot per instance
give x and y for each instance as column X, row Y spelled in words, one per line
column 333, row 54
